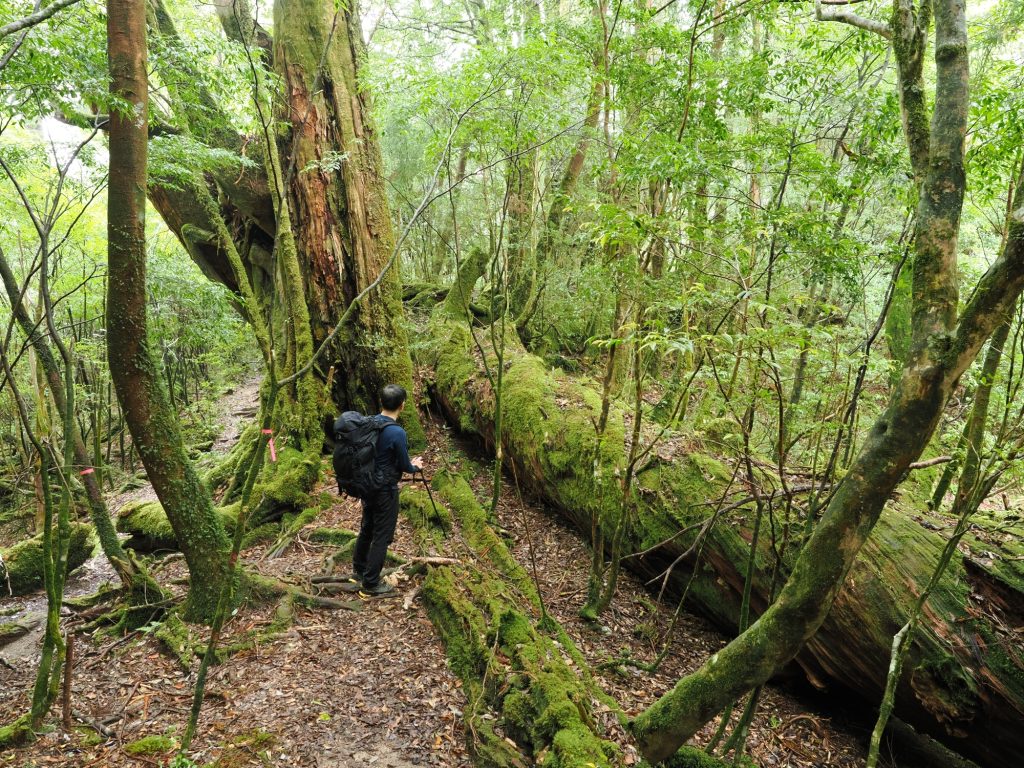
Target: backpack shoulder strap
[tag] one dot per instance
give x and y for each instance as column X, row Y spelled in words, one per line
column 382, row 425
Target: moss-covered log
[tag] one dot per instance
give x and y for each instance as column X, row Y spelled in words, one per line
column 21, row 566
column 964, row 681
column 149, row 530
column 525, row 681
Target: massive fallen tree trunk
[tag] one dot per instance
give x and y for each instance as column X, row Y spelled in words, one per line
column 964, row 680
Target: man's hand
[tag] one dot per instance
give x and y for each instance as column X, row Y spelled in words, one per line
column 417, row 462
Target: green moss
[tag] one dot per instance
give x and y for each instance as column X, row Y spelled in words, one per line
column 16, row 733
column 338, row 537
column 543, row 701
column 23, row 563
column 461, row 626
column 691, row 757
column 898, row 320
column 514, row 630
column 473, row 522
column 286, row 482
column 224, row 472
column 177, row 640
column 150, row 531
column 10, row 630
column 260, row 535
column 429, row 522
column 150, row 745
column 518, row 714
column 88, row 737
column 297, row 522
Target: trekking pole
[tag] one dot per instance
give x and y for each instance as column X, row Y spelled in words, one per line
column 432, row 503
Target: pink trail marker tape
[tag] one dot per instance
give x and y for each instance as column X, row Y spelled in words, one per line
column 273, row 450
column 87, row 471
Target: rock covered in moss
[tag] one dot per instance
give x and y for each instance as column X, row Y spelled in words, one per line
column 22, row 568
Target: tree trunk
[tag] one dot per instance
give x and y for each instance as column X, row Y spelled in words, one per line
column 133, row 369
column 339, row 202
column 339, row 209
column 941, row 351
column 965, row 684
column 141, row 587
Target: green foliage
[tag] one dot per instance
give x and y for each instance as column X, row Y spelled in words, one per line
column 174, row 161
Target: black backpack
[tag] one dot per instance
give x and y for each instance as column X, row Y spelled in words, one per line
column 355, row 450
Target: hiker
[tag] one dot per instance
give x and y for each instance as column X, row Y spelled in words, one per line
column 380, row 505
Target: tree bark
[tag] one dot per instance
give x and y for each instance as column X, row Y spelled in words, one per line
column 152, row 422
column 338, row 194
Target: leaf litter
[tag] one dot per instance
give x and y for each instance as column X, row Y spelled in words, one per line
column 372, row 688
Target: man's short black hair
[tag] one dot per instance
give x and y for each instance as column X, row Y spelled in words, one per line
column 392, row 396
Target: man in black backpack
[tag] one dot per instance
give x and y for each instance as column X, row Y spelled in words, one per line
column 380, row 506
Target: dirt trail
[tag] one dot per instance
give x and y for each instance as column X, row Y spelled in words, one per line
column 372, row 688
column 237, row 406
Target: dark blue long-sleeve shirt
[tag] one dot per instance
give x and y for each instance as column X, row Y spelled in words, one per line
column 392, row 452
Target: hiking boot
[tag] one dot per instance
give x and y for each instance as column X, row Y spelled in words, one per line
column 383, row 589
column 354, row 578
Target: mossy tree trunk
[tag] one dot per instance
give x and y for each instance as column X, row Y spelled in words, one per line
column 339, row 201
column 941, row 350
column 514, row 659
column 339, row 216
column 142, row 589
column 964, row 684
column 151, row 420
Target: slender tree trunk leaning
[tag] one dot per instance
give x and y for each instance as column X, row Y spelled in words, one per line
column 133, row 369
column 141, row 587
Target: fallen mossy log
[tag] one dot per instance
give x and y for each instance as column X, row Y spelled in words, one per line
column 964, row 679
column 21, row 565
column 526, row 684
column 149, row 530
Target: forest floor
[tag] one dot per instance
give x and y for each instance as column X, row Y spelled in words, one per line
column 371, row 687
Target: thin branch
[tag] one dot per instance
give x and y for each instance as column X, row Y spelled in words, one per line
column 844, row 16
column 35, row 18
column 930, row 462
column 6, row 59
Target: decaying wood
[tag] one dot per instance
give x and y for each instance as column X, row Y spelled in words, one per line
column 965, row 684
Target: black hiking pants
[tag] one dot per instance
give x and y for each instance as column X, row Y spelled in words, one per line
column 380, row 516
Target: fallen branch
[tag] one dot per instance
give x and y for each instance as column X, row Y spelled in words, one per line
column 97, row 726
